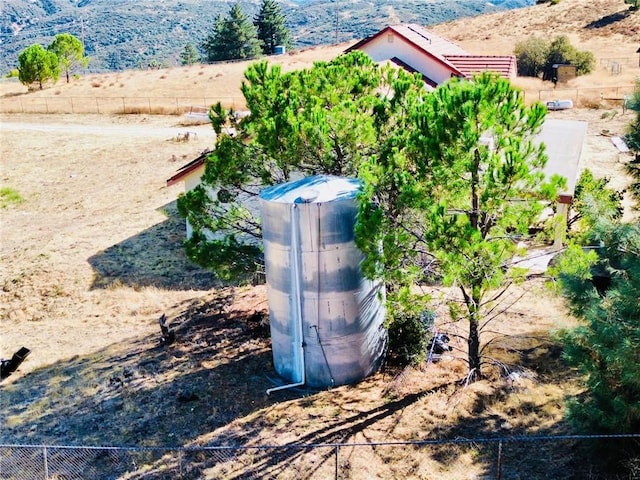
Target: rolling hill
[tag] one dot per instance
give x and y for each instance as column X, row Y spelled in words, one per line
column 122, row 34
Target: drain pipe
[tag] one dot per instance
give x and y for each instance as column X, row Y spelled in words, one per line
column 296, row 291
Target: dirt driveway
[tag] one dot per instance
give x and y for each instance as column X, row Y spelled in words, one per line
column 93, row 253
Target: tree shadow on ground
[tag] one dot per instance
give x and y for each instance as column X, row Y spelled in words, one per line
column 209, row 386
column 152, row 258
column 144, row 393
column 609, row 19
column 277, row 462
column 486, row 418
column 507, row 410
column 14, row 94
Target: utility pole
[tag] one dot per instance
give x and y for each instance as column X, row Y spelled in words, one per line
column 82, row 33
column 337, row 19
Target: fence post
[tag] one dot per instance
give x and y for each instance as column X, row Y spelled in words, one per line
column 499, row 472
column 337, row 450
column 46, row 464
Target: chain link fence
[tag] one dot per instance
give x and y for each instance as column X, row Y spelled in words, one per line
column 500, row 458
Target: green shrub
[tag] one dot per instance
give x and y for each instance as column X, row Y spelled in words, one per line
column 536, row 57
column 9, row 196
column 409, row 335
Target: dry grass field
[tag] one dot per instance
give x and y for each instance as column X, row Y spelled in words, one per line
column 166, row 90
column 91, row 257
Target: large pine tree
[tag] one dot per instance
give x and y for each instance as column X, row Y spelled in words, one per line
column 312, row 121
column 233, row 38
column 602, row 286
column 270, row 23
column 439, row 192
column 36, row 65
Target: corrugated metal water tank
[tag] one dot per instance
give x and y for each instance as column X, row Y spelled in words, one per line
column 326, row 319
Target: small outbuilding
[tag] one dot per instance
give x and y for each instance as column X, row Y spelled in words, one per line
column 190, row 174
column 563, row 72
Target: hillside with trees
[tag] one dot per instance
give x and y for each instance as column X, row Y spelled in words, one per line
column 121, row 35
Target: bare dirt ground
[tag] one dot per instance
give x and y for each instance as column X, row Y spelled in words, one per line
column 92, row 257
column 94, row 205
column 198, row 85
column 97, row 240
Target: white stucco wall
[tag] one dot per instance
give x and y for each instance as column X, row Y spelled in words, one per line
column 390, row 45
column 193, row 179
column 190, row 182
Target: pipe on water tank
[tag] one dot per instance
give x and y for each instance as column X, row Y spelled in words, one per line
column 297, row 296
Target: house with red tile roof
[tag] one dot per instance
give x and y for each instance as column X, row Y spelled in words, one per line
column 437, row 59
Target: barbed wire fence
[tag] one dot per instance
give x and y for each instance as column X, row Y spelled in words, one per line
column 591, row 96
column 200, row 105
column 501, row 457
column 115, row 105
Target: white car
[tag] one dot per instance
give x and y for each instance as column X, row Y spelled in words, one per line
column 559, row 105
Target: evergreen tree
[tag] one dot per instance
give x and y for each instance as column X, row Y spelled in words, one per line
column 432, row 186
column 632, row 138
column 561, row 51
column 70, row 53
column 602, row 287
column 537, row 56
column 532, row 55
column 270, row 23
column 189, row 55
column 312, row 121
column 37, row 65
column 593, row 201
column 601, row 284
column 439, row 192
column 233, row 38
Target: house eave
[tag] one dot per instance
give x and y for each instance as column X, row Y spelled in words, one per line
column 189, row 168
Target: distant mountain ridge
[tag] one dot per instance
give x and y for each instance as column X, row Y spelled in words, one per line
column 121, row 34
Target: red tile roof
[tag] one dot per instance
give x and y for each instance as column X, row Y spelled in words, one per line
column 505, row 65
